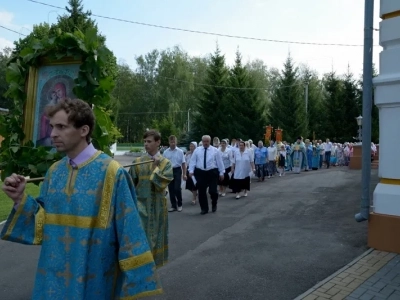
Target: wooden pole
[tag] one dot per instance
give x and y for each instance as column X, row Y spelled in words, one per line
column 126, row 166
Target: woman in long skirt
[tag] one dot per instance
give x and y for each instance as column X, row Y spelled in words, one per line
column 333, row 159
column 227, row 160
column 340, row 155
column 315, row 156
column 189, row 182
column 242, row 167
column 282, row 160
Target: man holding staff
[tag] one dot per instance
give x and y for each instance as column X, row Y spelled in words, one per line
column 151, row 181
column 86, row 219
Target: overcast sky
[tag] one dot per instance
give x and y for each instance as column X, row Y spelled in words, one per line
column 315, row 21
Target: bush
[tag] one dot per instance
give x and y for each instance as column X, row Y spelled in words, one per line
column 136, row 150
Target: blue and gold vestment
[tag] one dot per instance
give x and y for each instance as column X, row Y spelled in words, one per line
column 93, row 242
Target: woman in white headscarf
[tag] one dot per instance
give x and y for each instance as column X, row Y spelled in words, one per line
column 189, row 182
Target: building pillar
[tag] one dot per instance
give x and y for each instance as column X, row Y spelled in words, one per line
column 384, row 221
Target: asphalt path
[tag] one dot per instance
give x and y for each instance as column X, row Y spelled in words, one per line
column 286, row 236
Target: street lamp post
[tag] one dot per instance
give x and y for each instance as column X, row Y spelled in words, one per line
column 188, row 117
column 359, row 123
column 363, row 215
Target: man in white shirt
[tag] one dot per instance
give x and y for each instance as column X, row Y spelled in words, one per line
column 177, row 158
column 206, row 166
column 328, row 151
column 321, row 153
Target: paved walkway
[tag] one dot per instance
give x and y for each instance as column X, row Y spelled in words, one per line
column 373, row 275
column 290, row 233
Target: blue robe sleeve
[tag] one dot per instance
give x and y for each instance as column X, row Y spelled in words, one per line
column 137, row 275
column 25, row 224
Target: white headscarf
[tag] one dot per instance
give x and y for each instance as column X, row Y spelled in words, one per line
column 194, row 144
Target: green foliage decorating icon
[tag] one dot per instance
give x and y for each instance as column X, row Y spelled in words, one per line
column 94, row 85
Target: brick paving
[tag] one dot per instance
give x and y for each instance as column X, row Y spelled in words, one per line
column 373, row 275
column 384, row 284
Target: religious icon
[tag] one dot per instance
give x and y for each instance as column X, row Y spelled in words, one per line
column 47, row 85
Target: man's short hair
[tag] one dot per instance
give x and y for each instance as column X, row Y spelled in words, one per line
column 79, row 113
column 154, row 133
column 172, row 138
column 206, row 137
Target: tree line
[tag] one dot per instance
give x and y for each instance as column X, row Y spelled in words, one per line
column 189, row 96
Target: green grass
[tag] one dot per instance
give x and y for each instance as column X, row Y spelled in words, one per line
column 6, row 203
column 129, row 145
column 127, row 148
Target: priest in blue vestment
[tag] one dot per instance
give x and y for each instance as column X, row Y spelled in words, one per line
column 298, row 156
column 86, row 219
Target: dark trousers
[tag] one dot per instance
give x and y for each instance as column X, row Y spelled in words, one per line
column 174, row 188
column 328, row 158
column 207, row 179
column 271, row 167
column 261, row 171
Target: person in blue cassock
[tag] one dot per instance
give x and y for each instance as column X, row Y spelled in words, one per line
column 298, row 156
column 86, row 219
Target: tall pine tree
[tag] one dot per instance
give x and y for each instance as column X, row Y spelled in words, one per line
column 214, row 113
column 287, row 109
column 333, row 102
column 374, row 110
column 351, row 107
column 249, row 119
column 76, row 19
column 315, row 115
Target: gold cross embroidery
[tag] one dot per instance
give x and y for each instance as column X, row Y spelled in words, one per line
column 90, row 242
column 67, row 275
column 67, row 239
column 42, row 271
column 52, row 256
column 50, row 292
column 124, row 211
column 82, row 279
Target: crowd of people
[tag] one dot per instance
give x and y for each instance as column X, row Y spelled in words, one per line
column 238, row 162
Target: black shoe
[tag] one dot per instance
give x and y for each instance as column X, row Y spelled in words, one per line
column 203, row 212
column 214, row 209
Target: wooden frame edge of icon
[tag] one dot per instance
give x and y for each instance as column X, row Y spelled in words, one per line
column 30, row 104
